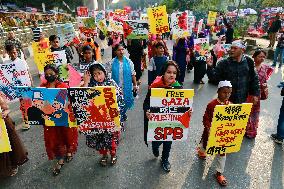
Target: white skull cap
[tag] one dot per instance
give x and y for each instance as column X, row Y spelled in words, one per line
column 224, row 84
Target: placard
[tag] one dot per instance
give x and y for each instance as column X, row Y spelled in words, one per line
column 45, row 106
column 158, row 20
column 136, row 29
column 13, row 74
column 95, row 109
column 4, row 138
column 228, row 128
column 169, row 117
column 179, row 24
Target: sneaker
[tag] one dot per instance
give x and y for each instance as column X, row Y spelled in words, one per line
column 156, row 152
column 276, row 139
column 166, row 165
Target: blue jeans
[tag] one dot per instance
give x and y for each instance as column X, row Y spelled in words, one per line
column 280, row 126
column 278, row 51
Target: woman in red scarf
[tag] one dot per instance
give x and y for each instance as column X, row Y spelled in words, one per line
column 60, row 142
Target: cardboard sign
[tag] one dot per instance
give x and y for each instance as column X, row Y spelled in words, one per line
column 82, row 11
column 136, row 29
column 40, row 49
column 95, row 109
column 201, row 47
column 211, row 18
column 179, row 24
column 228, row 128
column 158, row 20
column 66, row 33
column 169, row 119
column 45, row 106
column 13, row 74
column 4, row 138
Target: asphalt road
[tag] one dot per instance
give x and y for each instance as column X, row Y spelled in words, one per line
column 259, row 163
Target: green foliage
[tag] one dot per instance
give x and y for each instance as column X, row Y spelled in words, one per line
column 242, row 24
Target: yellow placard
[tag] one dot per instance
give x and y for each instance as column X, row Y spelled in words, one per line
column 211, row 17
column 40, row 52
column 172, row 93
column 158, row 20
column 4, row 138
column 228, row 128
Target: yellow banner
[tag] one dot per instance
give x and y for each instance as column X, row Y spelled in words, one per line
column 228, row 128
column 158, row 20
column 211, row 17
column 4, row 139
column 172, row 93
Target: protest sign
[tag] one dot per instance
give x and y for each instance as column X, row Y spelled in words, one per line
column 4, row 138
column 169, row 117
column 199, row 26
column 211, row 18
column 179, row 24
column 57, row 58
column 119, row 15
column 82, row 11
column 66, row 33
column 136, row 29
column 87, row 27
column 228, row 128
column 158, row 20
column 99, row 15
column 103, row 27
column 95, row 109
column 45, row 106
column 191, row 24
column 115, row 27
column 201, row 47
column 13, row 74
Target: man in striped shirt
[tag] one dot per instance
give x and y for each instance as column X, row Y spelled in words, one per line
column 36, row 31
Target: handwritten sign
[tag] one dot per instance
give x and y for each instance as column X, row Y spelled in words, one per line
column 115, row 27
column 45, row 106
column 95, row 109
column 211, row 18
column 103, row 26
column 169, row 119
column 158, row 20
column 179, row 24
column 136, row 29
column 4, row 138
column 119, row 15
column 99, row 15
column 228, row 128
column 13, row 74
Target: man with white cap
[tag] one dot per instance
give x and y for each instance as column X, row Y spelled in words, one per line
column 239, row 69
column 224, row 93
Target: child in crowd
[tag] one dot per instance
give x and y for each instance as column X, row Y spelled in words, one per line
column 169, row 73
column 224, row 93
column 157, row 62
column 105, row 142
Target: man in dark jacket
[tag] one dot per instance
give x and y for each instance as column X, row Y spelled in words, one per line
column 240, row 71
column 272, row 31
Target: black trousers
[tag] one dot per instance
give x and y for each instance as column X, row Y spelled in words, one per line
column 166, row 148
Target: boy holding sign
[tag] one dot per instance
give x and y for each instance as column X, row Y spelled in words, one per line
column 224, row 93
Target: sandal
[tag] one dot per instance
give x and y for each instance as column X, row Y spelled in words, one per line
column 14, row 172
column 113, row 160
column 103, row 161
column 201, row 154
column 221, row 179
column 69, row 158
column 56, row 170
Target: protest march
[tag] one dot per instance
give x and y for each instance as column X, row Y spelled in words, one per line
column 204, row 82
